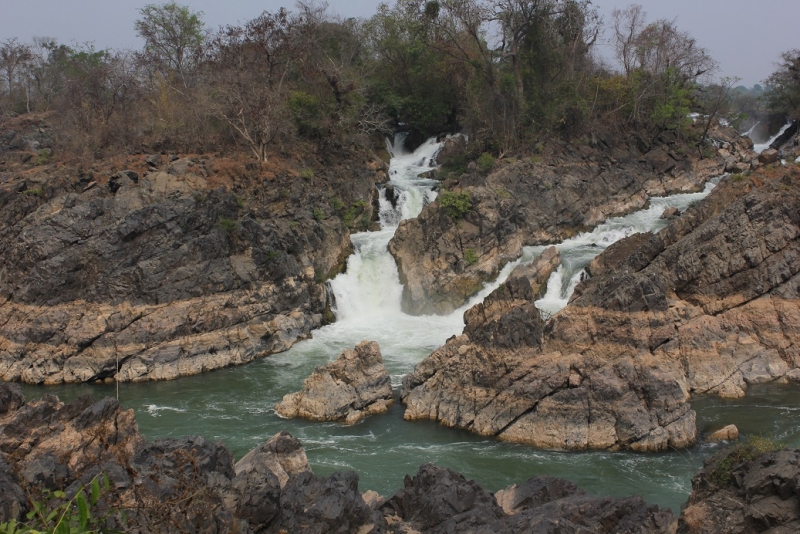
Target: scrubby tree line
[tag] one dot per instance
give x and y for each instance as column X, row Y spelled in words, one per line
column 506, row 71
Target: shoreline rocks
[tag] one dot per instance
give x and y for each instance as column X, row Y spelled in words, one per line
column 352, row 387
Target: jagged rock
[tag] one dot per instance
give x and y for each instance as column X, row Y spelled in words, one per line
column 349, row 388
column 453, row 150
column 507, row 317
column 531, row 203
column 728, row 433
column 708, row 305
column 441, row 500
column 742, row 490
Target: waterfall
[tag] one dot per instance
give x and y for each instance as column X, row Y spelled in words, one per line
column 761, row 147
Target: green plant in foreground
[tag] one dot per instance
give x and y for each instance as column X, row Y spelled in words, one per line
column 54, row 514
column 318, row 214
column 34, row 191
column 337, row 204
column 307, row 173
column 456, row 205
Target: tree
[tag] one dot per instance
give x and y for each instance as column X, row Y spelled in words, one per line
column 247, row 67
column 783, row 85
column 13, row 58
column 173, row 36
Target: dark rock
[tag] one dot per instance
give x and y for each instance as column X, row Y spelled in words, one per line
column 13, row 502
column 11, row 398
column 441, row 500
column 153, row 161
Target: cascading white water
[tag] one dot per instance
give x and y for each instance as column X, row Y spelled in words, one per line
column 761, row 147
column 578, row 251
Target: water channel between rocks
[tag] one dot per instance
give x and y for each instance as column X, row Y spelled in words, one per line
column 235, row 405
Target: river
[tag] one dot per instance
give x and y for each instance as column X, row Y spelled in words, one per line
column 235, row 405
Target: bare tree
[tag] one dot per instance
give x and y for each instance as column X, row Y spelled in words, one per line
column 13, row 58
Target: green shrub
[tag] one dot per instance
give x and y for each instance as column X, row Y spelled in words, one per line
column 456, row 205
column 337, row 204
column 502, row 192
column 485, row 162
column 42, row 158
column 239, row 201
column 229, row 225
column 54, row 514
column 721, row 475
column 307, row 173
column 318, row 214
column 470, row 257
column 34, row 191
column 737, row 177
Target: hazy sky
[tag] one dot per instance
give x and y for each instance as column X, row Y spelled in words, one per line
column 745, row 37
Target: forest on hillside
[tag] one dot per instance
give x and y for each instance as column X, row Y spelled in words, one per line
column 508, row 72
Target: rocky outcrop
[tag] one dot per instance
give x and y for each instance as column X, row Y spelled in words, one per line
column 744, row 489
column 443, row 260
column 167, row 269
column 708, row 305
column 438, row 500
column 353, row 386
column 169, row 484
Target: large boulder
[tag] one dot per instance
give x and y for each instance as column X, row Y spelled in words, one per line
column 708, row 305
column 347, row 389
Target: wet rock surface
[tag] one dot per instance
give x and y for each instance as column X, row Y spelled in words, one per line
column 353, row 386
column 192, row 484
column 442, row 261
column 707, row 305
column 167, row 269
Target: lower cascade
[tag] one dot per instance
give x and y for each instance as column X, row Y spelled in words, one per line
column 237, row 404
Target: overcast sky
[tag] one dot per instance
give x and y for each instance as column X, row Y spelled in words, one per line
column 745, row 37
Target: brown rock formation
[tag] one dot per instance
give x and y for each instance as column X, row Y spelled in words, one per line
column 353, row 386
column 169, row 270
column 442, row 261
column 707, row 305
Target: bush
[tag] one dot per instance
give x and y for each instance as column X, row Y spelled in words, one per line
column 229, row 225
column 318, row 214
column 307, row 173
column 722, row 473
column 456, row 205
column 337, row 204
column 54, row 514
column 486, row 162
column 470, row 257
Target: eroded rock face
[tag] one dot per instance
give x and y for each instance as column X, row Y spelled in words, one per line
column 167, row 271
column 442, row 262
column 740, row 490
column 707, row 305
column 349, row 388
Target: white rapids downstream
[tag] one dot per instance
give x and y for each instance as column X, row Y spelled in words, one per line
column 236, row 405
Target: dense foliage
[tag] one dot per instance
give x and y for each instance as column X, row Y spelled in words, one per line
column 506, row 71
